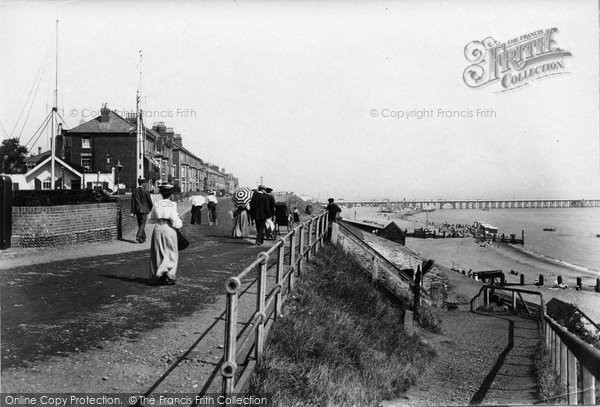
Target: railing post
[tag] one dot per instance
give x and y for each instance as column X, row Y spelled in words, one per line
column 589, row 388
column 572, row 379
column 557, row 342
column 229, row 366
column 309, row 252
column 260, row 307
column 564, row 373
column 292, row 259
column 301, row 262
column 279, row 277
column 375, row 272
column 514, row 301
column 317, row 234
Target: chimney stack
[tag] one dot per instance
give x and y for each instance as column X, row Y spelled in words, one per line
column 104, row 111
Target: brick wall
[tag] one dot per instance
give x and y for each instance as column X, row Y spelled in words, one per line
column 40, row 226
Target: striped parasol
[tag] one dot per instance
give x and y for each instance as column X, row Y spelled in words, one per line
column 242, row 196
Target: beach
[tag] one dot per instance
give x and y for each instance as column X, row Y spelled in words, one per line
column 466, row 254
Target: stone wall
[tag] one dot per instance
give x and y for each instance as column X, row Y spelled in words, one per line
column 43, row 226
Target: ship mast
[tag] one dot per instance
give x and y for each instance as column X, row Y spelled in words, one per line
column 54, row 119
column 140, row 145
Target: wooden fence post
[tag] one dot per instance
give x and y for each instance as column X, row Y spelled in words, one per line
column 589, row 389
column 375, row 272
column 572, row 379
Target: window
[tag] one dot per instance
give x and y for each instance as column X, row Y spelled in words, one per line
column 85, row 142
column 47, row 183
column 86, row 160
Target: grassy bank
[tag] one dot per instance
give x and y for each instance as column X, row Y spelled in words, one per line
column 340, row 342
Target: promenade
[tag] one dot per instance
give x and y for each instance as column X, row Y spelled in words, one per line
column 85, row 319
column 88, row 321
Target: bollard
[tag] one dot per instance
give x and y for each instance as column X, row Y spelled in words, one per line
column 559, row 279
column 598, row 285
column 541, row 280
column 522, row 282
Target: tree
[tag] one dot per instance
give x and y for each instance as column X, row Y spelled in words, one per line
column 12, row 154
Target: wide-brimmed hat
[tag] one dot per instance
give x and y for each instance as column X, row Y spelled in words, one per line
column 142, row 180
column 166, row 187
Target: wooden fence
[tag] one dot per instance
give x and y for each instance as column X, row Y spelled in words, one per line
column 572, row 358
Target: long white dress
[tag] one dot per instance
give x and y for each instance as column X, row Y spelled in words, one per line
column 163, row 250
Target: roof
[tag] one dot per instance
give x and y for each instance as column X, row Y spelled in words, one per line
column 177, row 146
column 37, row 158
column 59, row 161
column 115, row 124
column 211, row 171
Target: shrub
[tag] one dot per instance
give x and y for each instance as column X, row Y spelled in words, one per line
column 61, row 197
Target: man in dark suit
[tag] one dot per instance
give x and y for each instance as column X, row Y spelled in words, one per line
column 141, row 205
column 260, row 208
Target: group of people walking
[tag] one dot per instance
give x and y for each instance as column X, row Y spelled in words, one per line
column 198, row 202
column 164, row 251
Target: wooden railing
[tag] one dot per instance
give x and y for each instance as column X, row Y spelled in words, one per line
column 569, row 354
column 247, row 347
column 380, row 263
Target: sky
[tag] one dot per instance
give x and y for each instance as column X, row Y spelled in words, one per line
column 316, row 97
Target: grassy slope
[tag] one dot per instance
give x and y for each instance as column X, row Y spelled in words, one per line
column 341, row 341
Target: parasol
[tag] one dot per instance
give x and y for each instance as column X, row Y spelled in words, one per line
column 242, row 196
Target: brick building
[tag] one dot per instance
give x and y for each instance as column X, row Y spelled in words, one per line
column 99, row 144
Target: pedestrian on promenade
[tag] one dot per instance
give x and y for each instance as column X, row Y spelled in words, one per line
column 241, row 222
column 212, row 207
column 141, row 204
column 260, row 207
column 296, row 215
column 334, row 212
column 164, row 254
column 197, row 202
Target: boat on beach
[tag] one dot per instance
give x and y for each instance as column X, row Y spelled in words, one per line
column 552, row 229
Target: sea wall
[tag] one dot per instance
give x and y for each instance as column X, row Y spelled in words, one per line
column 50, row 226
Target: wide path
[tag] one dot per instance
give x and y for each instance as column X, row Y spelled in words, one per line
column 94, row 324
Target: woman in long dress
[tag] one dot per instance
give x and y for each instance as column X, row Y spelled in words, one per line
column 241, row 222
column 164, row 254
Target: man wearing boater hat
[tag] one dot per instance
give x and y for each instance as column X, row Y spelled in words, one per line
column 141, row 205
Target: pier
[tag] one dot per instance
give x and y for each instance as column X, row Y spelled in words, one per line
column 482, row 204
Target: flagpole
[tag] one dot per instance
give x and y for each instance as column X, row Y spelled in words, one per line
column 54, row 120
column 140, row 134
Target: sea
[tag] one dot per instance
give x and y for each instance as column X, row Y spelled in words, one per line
column 572, row 244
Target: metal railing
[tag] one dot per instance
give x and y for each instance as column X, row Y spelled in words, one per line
column 569, row 354
column 513, row 299
column 248, row 345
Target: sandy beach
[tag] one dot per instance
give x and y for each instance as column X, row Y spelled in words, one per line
column 466, row 253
